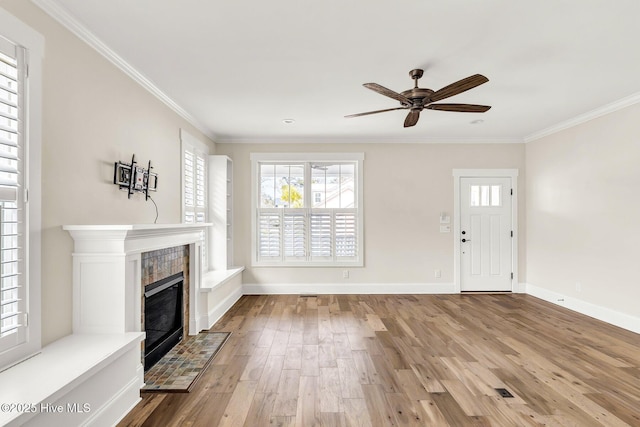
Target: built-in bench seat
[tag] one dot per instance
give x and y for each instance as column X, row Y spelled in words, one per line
column 81, row 379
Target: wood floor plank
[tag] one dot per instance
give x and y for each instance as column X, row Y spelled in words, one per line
column 293, row 357
column 403, row 360
column 286, row 403
column 236, row 411
column 260, row 410
column 349, row 379
column 330, row 392
column 308, row 413
column 209, row 412
column 407, row 411
column 411, row 385
column 255, row 365
column 356, row 414
column 380, row 412
column 310, row 363
column 268, row 382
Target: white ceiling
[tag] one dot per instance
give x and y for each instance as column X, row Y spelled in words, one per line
column 240, row 67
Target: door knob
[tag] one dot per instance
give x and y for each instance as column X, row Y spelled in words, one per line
column 466, row 240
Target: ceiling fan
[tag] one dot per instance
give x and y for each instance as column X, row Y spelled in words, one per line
column 417, row 99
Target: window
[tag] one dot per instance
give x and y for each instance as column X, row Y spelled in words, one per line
column 485, row 195
column 195, row 157
column 20, row 51
column 194, row 176
column 308, row 209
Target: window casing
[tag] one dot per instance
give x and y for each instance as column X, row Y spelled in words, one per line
column 21, row 51
column 307, row 209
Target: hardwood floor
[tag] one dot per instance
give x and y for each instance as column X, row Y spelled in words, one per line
column 404, row 360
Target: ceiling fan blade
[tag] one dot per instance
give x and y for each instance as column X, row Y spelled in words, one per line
column 388, row 92
column 376, row 112
column 463, row 108
column 412, row 118
column 458, row 87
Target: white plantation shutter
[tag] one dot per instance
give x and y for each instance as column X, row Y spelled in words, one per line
column 307, row 234
column 346, row 234
column 194, row 188
column 200, row 188
column 294, row 234
column 270, row 234
column 189, row 187
column 321, row 223
column 12, row 209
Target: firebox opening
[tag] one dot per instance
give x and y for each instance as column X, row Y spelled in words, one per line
column 163, row 317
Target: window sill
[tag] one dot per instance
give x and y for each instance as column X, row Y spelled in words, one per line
column 216, row 278
column 260, row 264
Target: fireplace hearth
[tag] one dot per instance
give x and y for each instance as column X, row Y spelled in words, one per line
column 163, row 317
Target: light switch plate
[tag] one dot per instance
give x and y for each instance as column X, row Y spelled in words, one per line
column 445, row 229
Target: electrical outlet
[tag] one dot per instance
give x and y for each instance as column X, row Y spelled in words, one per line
column 437, row 273
column 578, row 286
column 345, row 274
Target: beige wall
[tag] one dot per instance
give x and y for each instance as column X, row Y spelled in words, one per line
column 93, row 116
column 583, row 211
column 404, row 184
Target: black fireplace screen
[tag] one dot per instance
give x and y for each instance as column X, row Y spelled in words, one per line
column 163, row 317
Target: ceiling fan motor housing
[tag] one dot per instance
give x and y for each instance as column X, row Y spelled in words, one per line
column 418, row 95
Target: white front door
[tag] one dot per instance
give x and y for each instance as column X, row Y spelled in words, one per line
column 485, row 234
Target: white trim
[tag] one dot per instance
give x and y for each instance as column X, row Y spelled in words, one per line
column 391, row 139
column 21, row 34
column 61, row 15
column 343, row 288
column 479, row 173
column 616, row 318
column 582, row 118
column 306, row 157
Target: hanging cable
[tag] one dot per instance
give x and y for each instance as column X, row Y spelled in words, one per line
column 154, row 204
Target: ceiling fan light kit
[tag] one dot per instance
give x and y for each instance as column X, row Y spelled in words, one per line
column 417, row 99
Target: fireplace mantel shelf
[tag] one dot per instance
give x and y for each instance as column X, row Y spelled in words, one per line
column 132, row 238
column 134, row 227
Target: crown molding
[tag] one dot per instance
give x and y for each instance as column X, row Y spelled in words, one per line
column 61, row 15
column 367, row 140
column 582, row 118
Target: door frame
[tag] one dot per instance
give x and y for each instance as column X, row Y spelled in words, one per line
column 484, row 173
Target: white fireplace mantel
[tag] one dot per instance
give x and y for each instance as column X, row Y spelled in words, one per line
column 107, row 285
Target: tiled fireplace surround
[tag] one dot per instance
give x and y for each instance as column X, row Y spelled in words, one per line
column 160, row 264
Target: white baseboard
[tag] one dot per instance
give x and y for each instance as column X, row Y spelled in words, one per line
column 608, row 315
column 347, row 288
